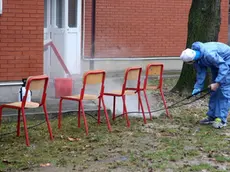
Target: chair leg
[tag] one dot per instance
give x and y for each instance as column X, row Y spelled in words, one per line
column 138, row 105
column 99, row 112
column 125, row 111
column 114, row 107
column 25, row 127
column 79, row 115
column 47, row 121
column 142, row 108
column 147, row 102
column 60, row 113
column 163, row 99
column 124, row 107
column 106, row 114
column 84, row 117
column 18, row 124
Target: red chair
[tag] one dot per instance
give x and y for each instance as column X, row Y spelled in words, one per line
column 154, row 69
column 33, row 83
column 132, row 74
column 90, row 77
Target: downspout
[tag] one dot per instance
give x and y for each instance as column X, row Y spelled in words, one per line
column 91, row 63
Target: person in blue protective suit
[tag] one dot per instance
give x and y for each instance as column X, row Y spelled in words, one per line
column 216, row 56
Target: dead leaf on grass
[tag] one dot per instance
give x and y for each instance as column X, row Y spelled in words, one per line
column 207, row 133
column 6, row 161
column 201, row 149
column 66, row 147
column 117, row 131
column 87, row 146
column 158, row 134
column 196, row 115
column 225, row 134
column 73, row 139
column 45, row 165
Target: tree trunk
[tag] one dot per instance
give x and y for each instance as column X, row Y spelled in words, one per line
column 203, row 25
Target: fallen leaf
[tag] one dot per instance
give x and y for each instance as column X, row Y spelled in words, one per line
column 6, row 161
column 45, row 165
column 73, row 139
column 201, row 149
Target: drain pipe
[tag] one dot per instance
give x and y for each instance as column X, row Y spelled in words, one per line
column 10, row 83
column 91, row 63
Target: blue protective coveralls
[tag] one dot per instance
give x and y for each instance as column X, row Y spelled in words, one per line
column 216, row 56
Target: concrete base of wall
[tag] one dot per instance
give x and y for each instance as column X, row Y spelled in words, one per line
column 114, row 66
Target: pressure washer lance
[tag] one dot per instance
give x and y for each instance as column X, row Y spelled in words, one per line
column 173, row 105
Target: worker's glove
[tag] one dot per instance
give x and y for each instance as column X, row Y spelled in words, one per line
column 195, row 91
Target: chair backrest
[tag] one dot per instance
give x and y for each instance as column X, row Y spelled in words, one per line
column 132, row 74
column 93, row 77
column 39, row 82
column 154, row 69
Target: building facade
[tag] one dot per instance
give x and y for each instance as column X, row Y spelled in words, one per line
column 92, row 34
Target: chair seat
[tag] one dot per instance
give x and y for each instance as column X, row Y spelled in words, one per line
column 28, row 104
column 86, row 97
column 118, row 92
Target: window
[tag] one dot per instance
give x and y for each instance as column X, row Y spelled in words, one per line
column 72, row 13
column 59, row 13
column 45, row 14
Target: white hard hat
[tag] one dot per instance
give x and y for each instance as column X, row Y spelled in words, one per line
column 188, row 55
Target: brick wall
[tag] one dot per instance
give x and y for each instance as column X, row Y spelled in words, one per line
column 223, row 36
column 142, row 28
column 123, row 29
column 21, row 39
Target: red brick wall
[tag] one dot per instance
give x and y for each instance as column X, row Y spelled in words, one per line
column 142, row 28
column 123, row 29
column 21, row 39
column 223, row 36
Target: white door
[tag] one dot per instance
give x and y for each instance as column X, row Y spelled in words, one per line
column 58, row 36
column 65, row 33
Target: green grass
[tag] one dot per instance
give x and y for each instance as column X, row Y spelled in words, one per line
column 180, row 144
column 221, row 158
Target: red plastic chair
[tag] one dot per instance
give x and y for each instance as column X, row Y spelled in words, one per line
column 33, row 83
column 90, row 77
column 154, row 69
column 132, row 74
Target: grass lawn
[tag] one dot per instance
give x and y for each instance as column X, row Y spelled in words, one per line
column 162, row 144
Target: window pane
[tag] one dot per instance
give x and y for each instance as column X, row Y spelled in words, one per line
column 72, row 14
column 59, row 13
column 51, row 14
column 45, row 14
